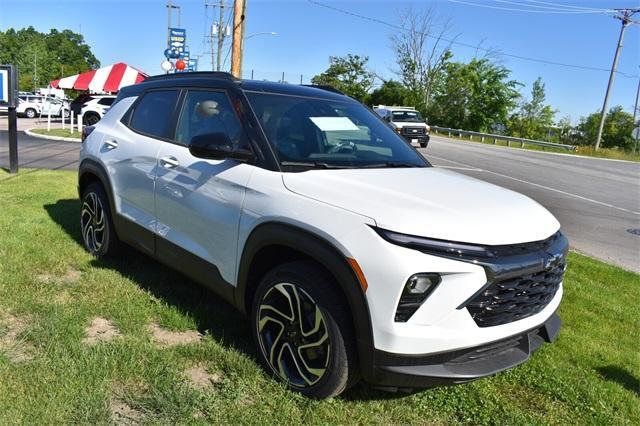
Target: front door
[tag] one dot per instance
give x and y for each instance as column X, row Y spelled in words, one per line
column 198, row 201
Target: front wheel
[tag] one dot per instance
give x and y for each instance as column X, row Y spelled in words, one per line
column 302, row 327
column 30, row 113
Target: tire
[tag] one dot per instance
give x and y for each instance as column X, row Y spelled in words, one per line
column 423, row 144
column 91, row 119
column 30, row 113
column 96, row 225
column 319, row 322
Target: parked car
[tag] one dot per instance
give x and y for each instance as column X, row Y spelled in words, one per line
column 31, row 106
column 92, row 107
column 407, row 122
column 351, row 255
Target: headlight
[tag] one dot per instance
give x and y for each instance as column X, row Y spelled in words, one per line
column 437, row 247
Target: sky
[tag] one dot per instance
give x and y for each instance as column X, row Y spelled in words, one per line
column 307, row 34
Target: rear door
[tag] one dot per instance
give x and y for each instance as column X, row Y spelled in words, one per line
column 198, row 201
column 129, row 150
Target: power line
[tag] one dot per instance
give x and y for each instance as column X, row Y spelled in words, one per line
column 458, row 43
column 512, row 9
column 552, row 6
column 568, row 6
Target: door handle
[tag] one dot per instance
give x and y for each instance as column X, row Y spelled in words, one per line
column 169, row 162
column 111, row 143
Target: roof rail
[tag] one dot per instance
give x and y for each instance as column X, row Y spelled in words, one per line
column 216, row 74
column 324, row 87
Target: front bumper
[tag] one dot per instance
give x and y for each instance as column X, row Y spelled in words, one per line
column 397, row 371
column 420, row 139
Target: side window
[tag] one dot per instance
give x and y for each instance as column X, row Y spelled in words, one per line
column 106, row 101
column 205, row 112
column 152, row 115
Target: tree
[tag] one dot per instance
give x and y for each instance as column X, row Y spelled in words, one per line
column 42, row 57
column 474, row 95
column 534, row 117
column 390, row 93
column 348, row 74
column 618, row 126
column 422, row 47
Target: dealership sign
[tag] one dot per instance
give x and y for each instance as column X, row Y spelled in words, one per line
column 177, row 39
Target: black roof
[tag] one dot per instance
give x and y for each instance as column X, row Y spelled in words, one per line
column 226, row 80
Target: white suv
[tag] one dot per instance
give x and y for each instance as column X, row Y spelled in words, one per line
column 95, row 108
column 351, row 255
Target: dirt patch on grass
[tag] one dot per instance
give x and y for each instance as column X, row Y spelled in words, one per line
column 72, row 275
column 200, row 378
column 100, row 330
column 11, row 344
column 124, row 414
column 166, row 338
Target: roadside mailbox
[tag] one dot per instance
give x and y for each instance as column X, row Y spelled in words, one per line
column 9, row 98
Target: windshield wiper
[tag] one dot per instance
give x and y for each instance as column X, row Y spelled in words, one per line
column 313, row 164
column 394, row 164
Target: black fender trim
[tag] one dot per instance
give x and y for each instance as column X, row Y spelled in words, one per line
column 331, row 258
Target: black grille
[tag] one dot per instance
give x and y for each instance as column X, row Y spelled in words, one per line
column 512, row 299
column 413, row 131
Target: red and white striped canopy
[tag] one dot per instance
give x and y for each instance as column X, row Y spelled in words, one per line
column 107, row 79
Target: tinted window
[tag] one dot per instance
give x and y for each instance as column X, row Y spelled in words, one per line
column 152, row 115
column 206, row 112
column 106, row 101
column 409, row 116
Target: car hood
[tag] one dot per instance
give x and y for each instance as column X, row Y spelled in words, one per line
column 429, row 202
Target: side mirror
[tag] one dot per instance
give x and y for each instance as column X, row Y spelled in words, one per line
column 217, row 146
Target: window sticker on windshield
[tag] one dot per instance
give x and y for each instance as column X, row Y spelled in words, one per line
column 331, row 124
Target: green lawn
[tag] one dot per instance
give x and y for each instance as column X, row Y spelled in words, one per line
column 88, row 341
column 584, row 151
column 65, row 133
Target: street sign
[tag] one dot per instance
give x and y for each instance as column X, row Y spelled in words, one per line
column 636, row 133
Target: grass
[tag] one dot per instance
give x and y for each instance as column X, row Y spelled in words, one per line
column 584, row 151
column 65, row 133
column 51, row 290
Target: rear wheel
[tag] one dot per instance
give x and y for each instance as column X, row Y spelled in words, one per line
column 302, row 328
column 98, row 233
column 91, row 118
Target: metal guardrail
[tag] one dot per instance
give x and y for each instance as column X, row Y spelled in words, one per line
column 522, row 141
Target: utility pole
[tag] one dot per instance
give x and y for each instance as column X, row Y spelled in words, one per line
column 239, row 8
column 35, row 71
column 221, row 34
column 624, row 15
column 635, row 123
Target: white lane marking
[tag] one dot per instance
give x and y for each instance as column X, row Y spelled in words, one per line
column 542, row 186
column 461, row 168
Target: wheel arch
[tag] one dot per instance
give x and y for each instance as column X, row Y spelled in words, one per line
column 91, row 171
column 274, row 243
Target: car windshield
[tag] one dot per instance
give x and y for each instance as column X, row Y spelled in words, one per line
column 406, row 116
column 321, row 133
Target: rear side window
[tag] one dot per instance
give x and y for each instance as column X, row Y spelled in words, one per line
column 106, row 101
column 153, row 113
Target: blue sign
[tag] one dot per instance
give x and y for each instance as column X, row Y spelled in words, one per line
column 4, row 82
column 177, row 39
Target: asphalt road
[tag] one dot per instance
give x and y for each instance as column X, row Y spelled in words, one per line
column 35, row 153
column 596, row 201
